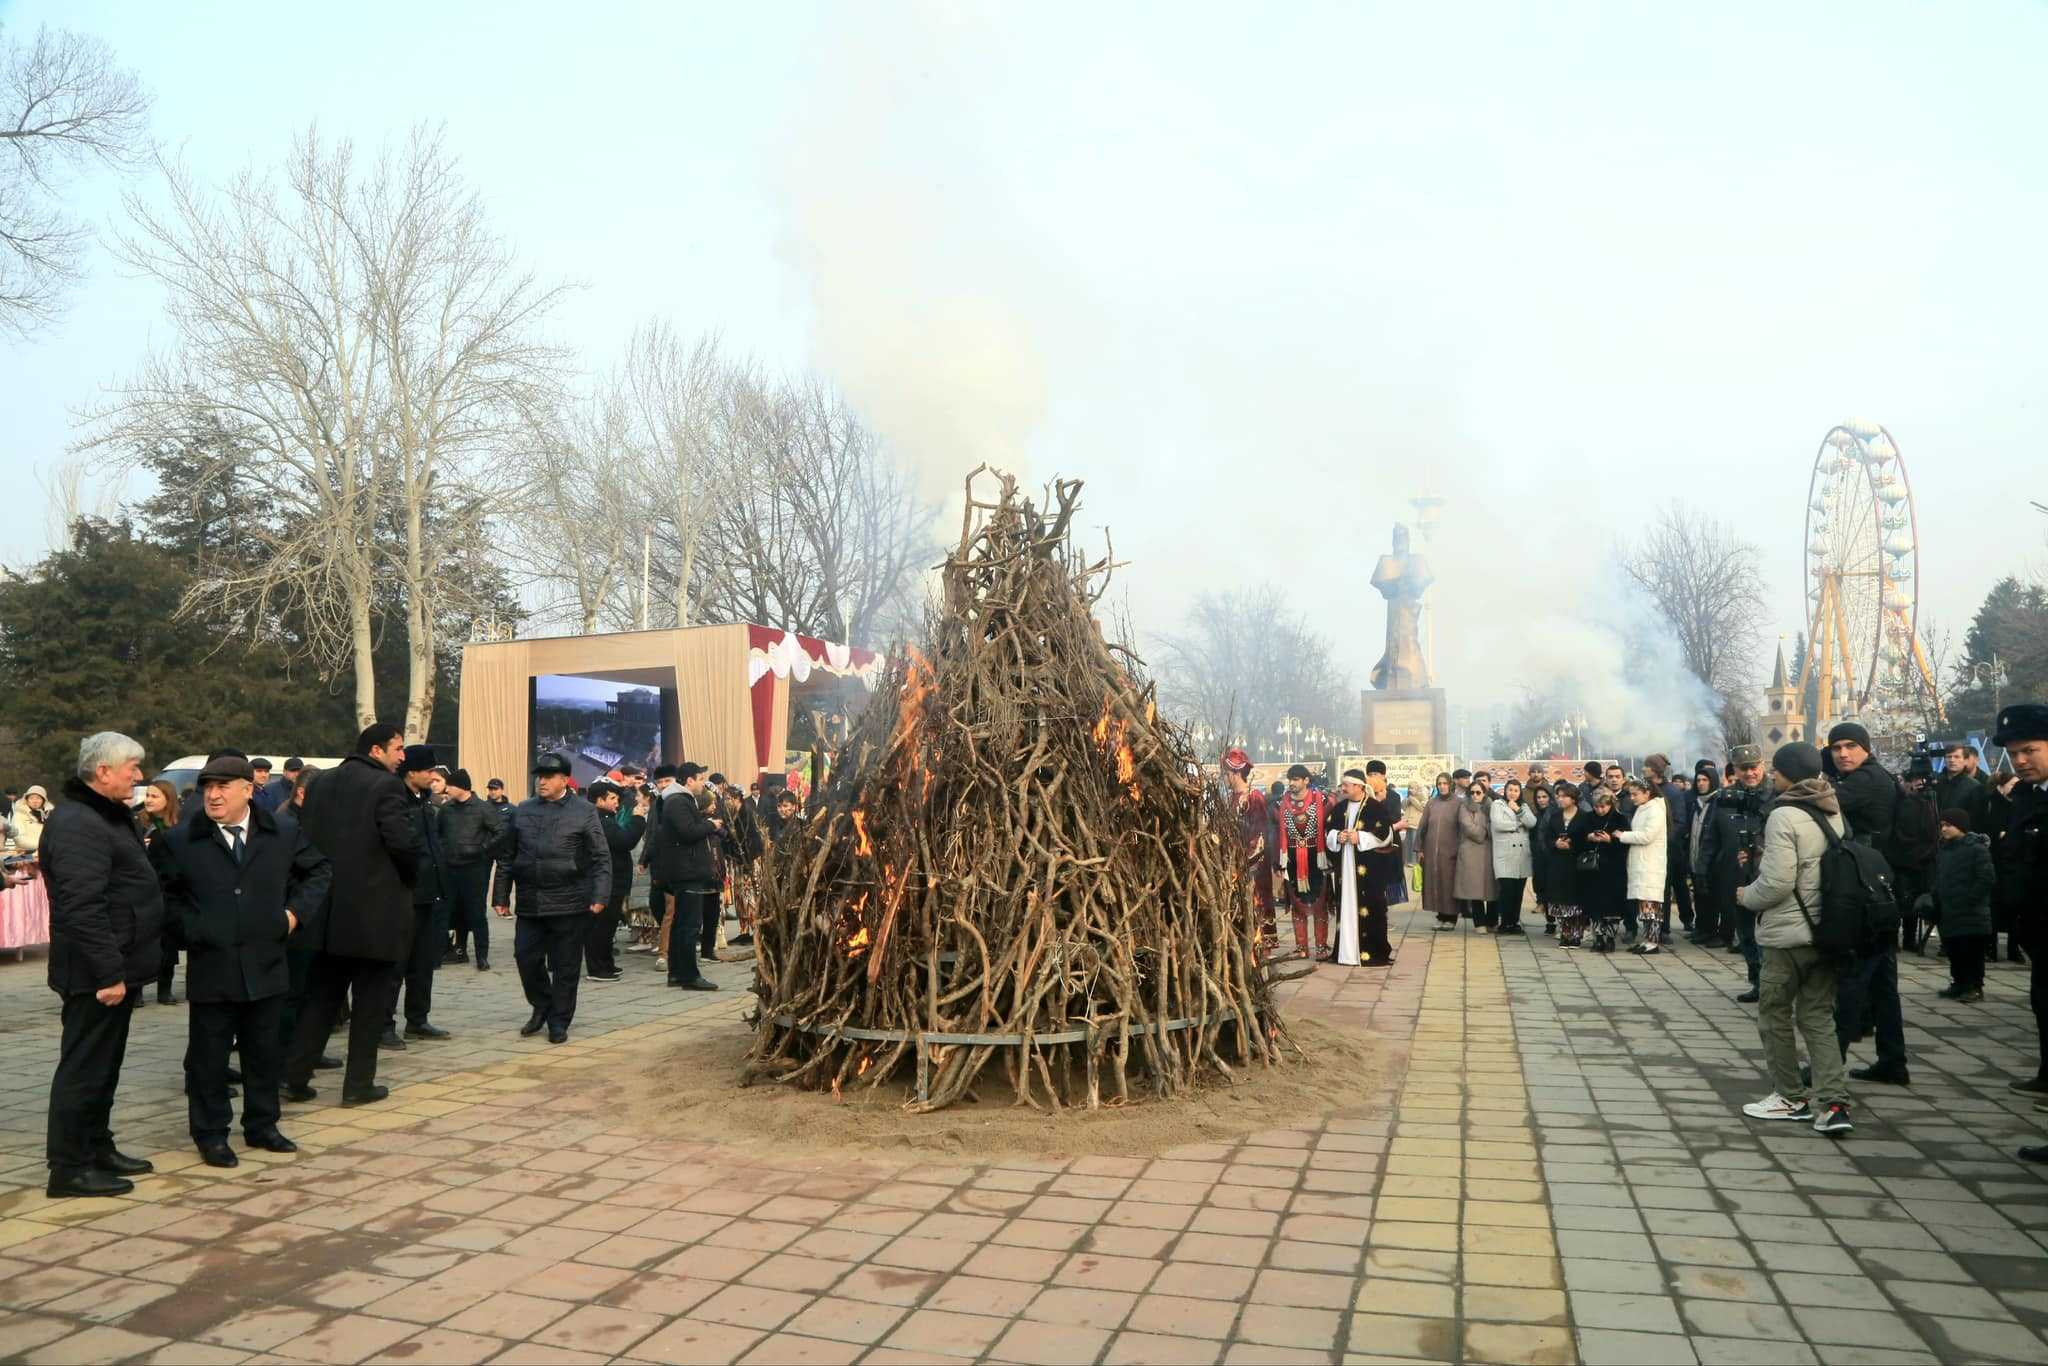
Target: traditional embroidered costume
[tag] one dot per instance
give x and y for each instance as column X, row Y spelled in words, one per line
column 1304, row 862
column 1364, row 867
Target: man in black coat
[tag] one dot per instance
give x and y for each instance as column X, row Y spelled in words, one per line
column 1867, row 992
column 622, row 831
column 2022, row 870
column 1735, row 824
column 553, row 853
column 237, row 881
column 665, row 786
column 686, row 871
column 429, row 902
column 469, row 833
column 357, row 815
column 106, row 929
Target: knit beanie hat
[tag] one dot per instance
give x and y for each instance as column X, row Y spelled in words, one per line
column 1849, row 730
column 1956, row 816
column 1798, row 761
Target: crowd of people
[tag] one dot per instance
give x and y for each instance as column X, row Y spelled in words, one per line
column 317, row 901
column 1735, row 856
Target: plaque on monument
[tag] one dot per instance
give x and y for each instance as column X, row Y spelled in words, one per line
column 1403, row 713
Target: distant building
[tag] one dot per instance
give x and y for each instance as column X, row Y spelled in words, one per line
column 1784, row 720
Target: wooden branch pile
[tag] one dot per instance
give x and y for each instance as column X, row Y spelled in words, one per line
column 1015, row 862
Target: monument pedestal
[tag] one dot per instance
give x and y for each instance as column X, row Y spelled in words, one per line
column 1407, row 721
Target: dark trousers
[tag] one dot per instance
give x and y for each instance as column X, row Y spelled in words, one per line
column 1712, row 917
column 549, row 952
column 1966, row 959
column 1679, row 890
column 598, row 955
column 1744, row 935
column 168, row 971
column 657, row 902
column 329, row 982
column 298, row 963
column 1480, row 913
column 468, row 889
column 210, row 1039
column 683, row 940
column 1507, row 906
column 1372, row 909
column 2037, row 997
column 429, row 942
column 88, row 1073
column 1867, row 998
column 1907, row 886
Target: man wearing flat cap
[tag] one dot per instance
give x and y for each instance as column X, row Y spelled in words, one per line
column 238, row 879
column 554, row 860
column 358, row 815
column 2023, row 871
column 1735, row 825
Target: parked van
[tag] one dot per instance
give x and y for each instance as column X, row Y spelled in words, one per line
column 183, row 773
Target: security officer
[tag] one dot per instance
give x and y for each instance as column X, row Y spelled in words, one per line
column 2023, row 870
column 553, row 851
column 1735, row 824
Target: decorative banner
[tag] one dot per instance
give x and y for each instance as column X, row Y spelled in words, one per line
column 1404, row 770
column 773, row 654
column 1264, row 775
column 1500, row 770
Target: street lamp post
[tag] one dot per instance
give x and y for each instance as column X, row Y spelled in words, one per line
column 1289, row 731
column 1995, row 674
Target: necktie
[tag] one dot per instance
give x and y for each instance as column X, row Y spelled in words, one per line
column 235, row 834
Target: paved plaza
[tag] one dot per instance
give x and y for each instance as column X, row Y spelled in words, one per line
column 1556, row 1172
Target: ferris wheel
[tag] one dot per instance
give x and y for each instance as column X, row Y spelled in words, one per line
column 1863, row 585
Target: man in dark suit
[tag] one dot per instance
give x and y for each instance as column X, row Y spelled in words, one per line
column 622, row 831
column 237, row 881
column 429, row 901
column 357, row 815
column 684, row 868
column 106, row 931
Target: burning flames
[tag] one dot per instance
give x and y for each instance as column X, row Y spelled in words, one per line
column 1112, row 738
column 865, row 846
column 857, row 945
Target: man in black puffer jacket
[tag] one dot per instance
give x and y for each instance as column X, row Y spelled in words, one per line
column 1867, row 994
column 553, row 852
column 106, row 932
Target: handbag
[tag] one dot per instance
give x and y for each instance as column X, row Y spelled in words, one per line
column 1588, row 860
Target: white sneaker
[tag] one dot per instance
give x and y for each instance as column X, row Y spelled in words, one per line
column 1833, row 1119
column 661, row 962
column 1775, row 1106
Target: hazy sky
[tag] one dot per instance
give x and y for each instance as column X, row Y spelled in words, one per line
column 1258, row 275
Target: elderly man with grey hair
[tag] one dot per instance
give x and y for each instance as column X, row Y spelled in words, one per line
column 106, row 924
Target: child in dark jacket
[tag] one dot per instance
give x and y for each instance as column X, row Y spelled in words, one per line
column 1962, row 898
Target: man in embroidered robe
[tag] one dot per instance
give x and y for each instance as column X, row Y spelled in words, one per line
column 1252, row 815
column 1304, row 862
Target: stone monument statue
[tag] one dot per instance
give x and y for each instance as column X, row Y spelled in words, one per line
column 1402, row 579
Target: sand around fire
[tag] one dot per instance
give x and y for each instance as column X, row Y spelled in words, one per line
column 694, row 1093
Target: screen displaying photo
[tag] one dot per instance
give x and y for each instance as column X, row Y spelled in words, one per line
column 597, row 724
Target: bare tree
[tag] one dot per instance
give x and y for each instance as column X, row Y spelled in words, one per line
column 1244, row 660
column 682, row 399
column 1703, row 579
column 363, row 340
column 577, row 525
column 462, row 368
column 64, row 104
column 69, row 497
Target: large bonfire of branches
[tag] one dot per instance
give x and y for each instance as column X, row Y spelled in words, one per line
column 1016, row 868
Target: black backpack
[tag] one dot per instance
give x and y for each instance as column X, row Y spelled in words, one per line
column 1859, row 913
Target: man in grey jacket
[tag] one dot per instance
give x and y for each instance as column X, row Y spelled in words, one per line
column 1797, row 984
column 553, row 852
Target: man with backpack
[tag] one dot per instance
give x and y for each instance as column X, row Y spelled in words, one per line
column 1869, row 987
column 1797, row 982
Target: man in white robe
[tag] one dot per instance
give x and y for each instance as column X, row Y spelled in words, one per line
column 1363, row 832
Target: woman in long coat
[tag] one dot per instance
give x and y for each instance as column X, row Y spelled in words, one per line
column 1512, row 819
column 1475, row 884
column 1604, row 890
column 1648, row 860
column 1436, row 834
column 1562, row 879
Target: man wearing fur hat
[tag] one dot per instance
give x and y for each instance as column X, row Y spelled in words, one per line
column 2023, row 870
column 1252, row 815
column 1869, row 990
